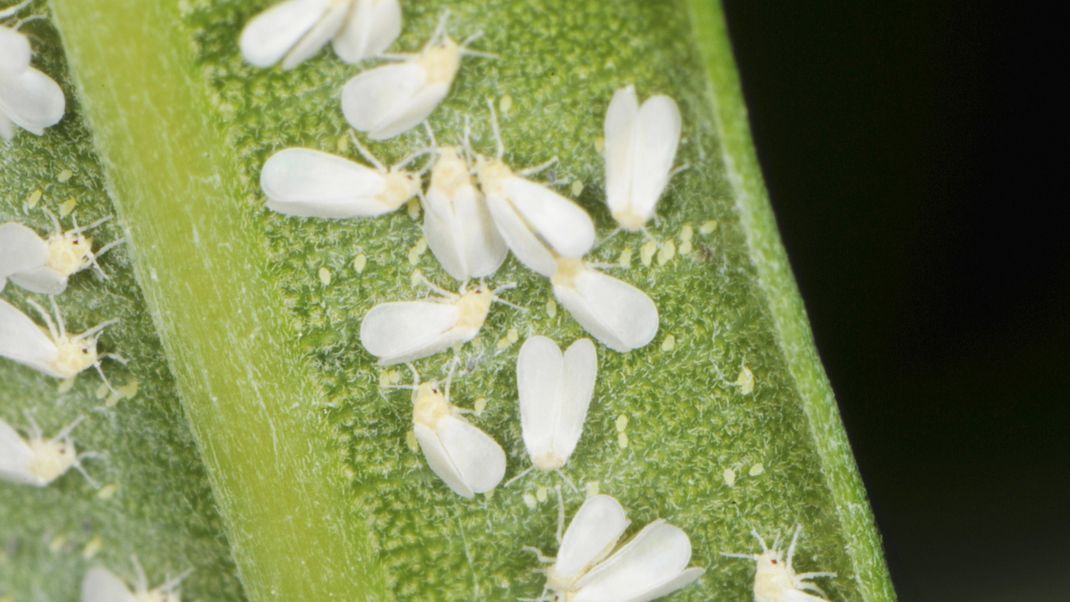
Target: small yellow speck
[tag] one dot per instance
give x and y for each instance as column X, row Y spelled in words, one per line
column 67, row 207
column 360, row 262
column 708, row 227
column 745, row 381
column 58, row 543
column 413, row 208
column 686, row 233
column 130, row 389
column 756, row 470
column 513, row 335
column 599, row 144
column 729, row 477
column 505, row 104
column 417, row 278
column 348, row 473
column 591, row 488
column 108, row 491
column 669, row 343
column 113, row 399
column 622, row 423
column 388, row 378
column 541, row 493
column 411, row 442
column 503, row 343
column 102, row 391
column 647, row 251
column 325, row 276
column 480, row 405
column 530, row 501
column 686, row 248
column 343, row 143
column 92, row 547
column 65, row 176
column 417, row 250
column 34, row 198
column 666, row 252
column 577, row 188
column 622, row 440
column 625, row 257
column 65, row 385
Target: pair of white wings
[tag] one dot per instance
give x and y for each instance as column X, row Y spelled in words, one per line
column 25, row 342
column 461, row 234
column 28, row 98
column 389, row 100
column 293, row 31
column 406, row 331
column 651, row 565
column 640, row 145
column 468, row 460
column 538, row 224
column 15, row 457
column 308, row 183
column 23, row 260
column 555, row 391
column 616, row 313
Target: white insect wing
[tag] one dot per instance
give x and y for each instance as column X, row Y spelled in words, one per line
column 651, row 565
column 31, row 100
column 590, row 537
column 289, row 30
column 101, row 585
column 564, row 226
column 21, row 251
column 16, row 457
column 521, row 240
column 15, row 52
column 616, row 313
column 457, row 223
column 371, row 27
column 303, row 182
column 555, row 392
column 24, row 342
column 641, row 144
column 403, row 331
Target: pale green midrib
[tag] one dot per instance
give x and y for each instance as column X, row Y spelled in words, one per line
column 785, row 304
column 224, row 330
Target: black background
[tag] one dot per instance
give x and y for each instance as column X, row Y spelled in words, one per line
column 915, row 159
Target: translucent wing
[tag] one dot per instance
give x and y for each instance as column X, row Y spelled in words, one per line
column 100, row 585
column 21, row 250
column 616, row 313
column 529, row 250
column 273, row 33
column 22, row 341
column 653, row 559
column 14, row 52
column 15, row 456
column 620, row 147
column 400, row 332
column 438, row 459
column 43, row 280
column 590, row 536
column 443, row 232
column 479, row 460
column 328, row 26
column 371, row 100
column 656, row 137
column 564, row 225
column 580, row 369
column 32, row 100
column 539, row 382
column 372, row 26
column 481, row 244
column 412, row 113
column 309, row 183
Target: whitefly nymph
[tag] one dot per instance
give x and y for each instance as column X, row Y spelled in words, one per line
column 101, row 585
column 38, row 460
column 44, row 265
column 775, row 579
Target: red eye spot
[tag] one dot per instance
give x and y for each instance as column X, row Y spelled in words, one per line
column 773, row 561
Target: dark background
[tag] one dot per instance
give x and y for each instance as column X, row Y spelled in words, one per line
column 914, row 156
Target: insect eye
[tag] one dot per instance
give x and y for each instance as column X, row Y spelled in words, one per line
column 773, row 561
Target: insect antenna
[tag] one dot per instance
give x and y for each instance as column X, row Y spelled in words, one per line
column 520, row 475
column 476, row 53
column 172, row 584
column 535, row 169
column 500, row 146
column 367, row 154
column 440, row 29
column 49, row 323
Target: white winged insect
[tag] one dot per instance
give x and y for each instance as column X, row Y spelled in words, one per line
column 406, row 331
column 775, row 579
column 293, row 31
column 537, row 224
column 391, row 99
column 587, row 569
column 302, row 182
column 52, row 350
column 37, row 461
column 28, row 98
column 555, row 391
column 640, row 146
column 616, row 313
column 43, row 265
column 101, row 585
column 467, row 460
column 457, row 223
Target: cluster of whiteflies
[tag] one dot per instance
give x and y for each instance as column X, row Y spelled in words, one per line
column 29, row 99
